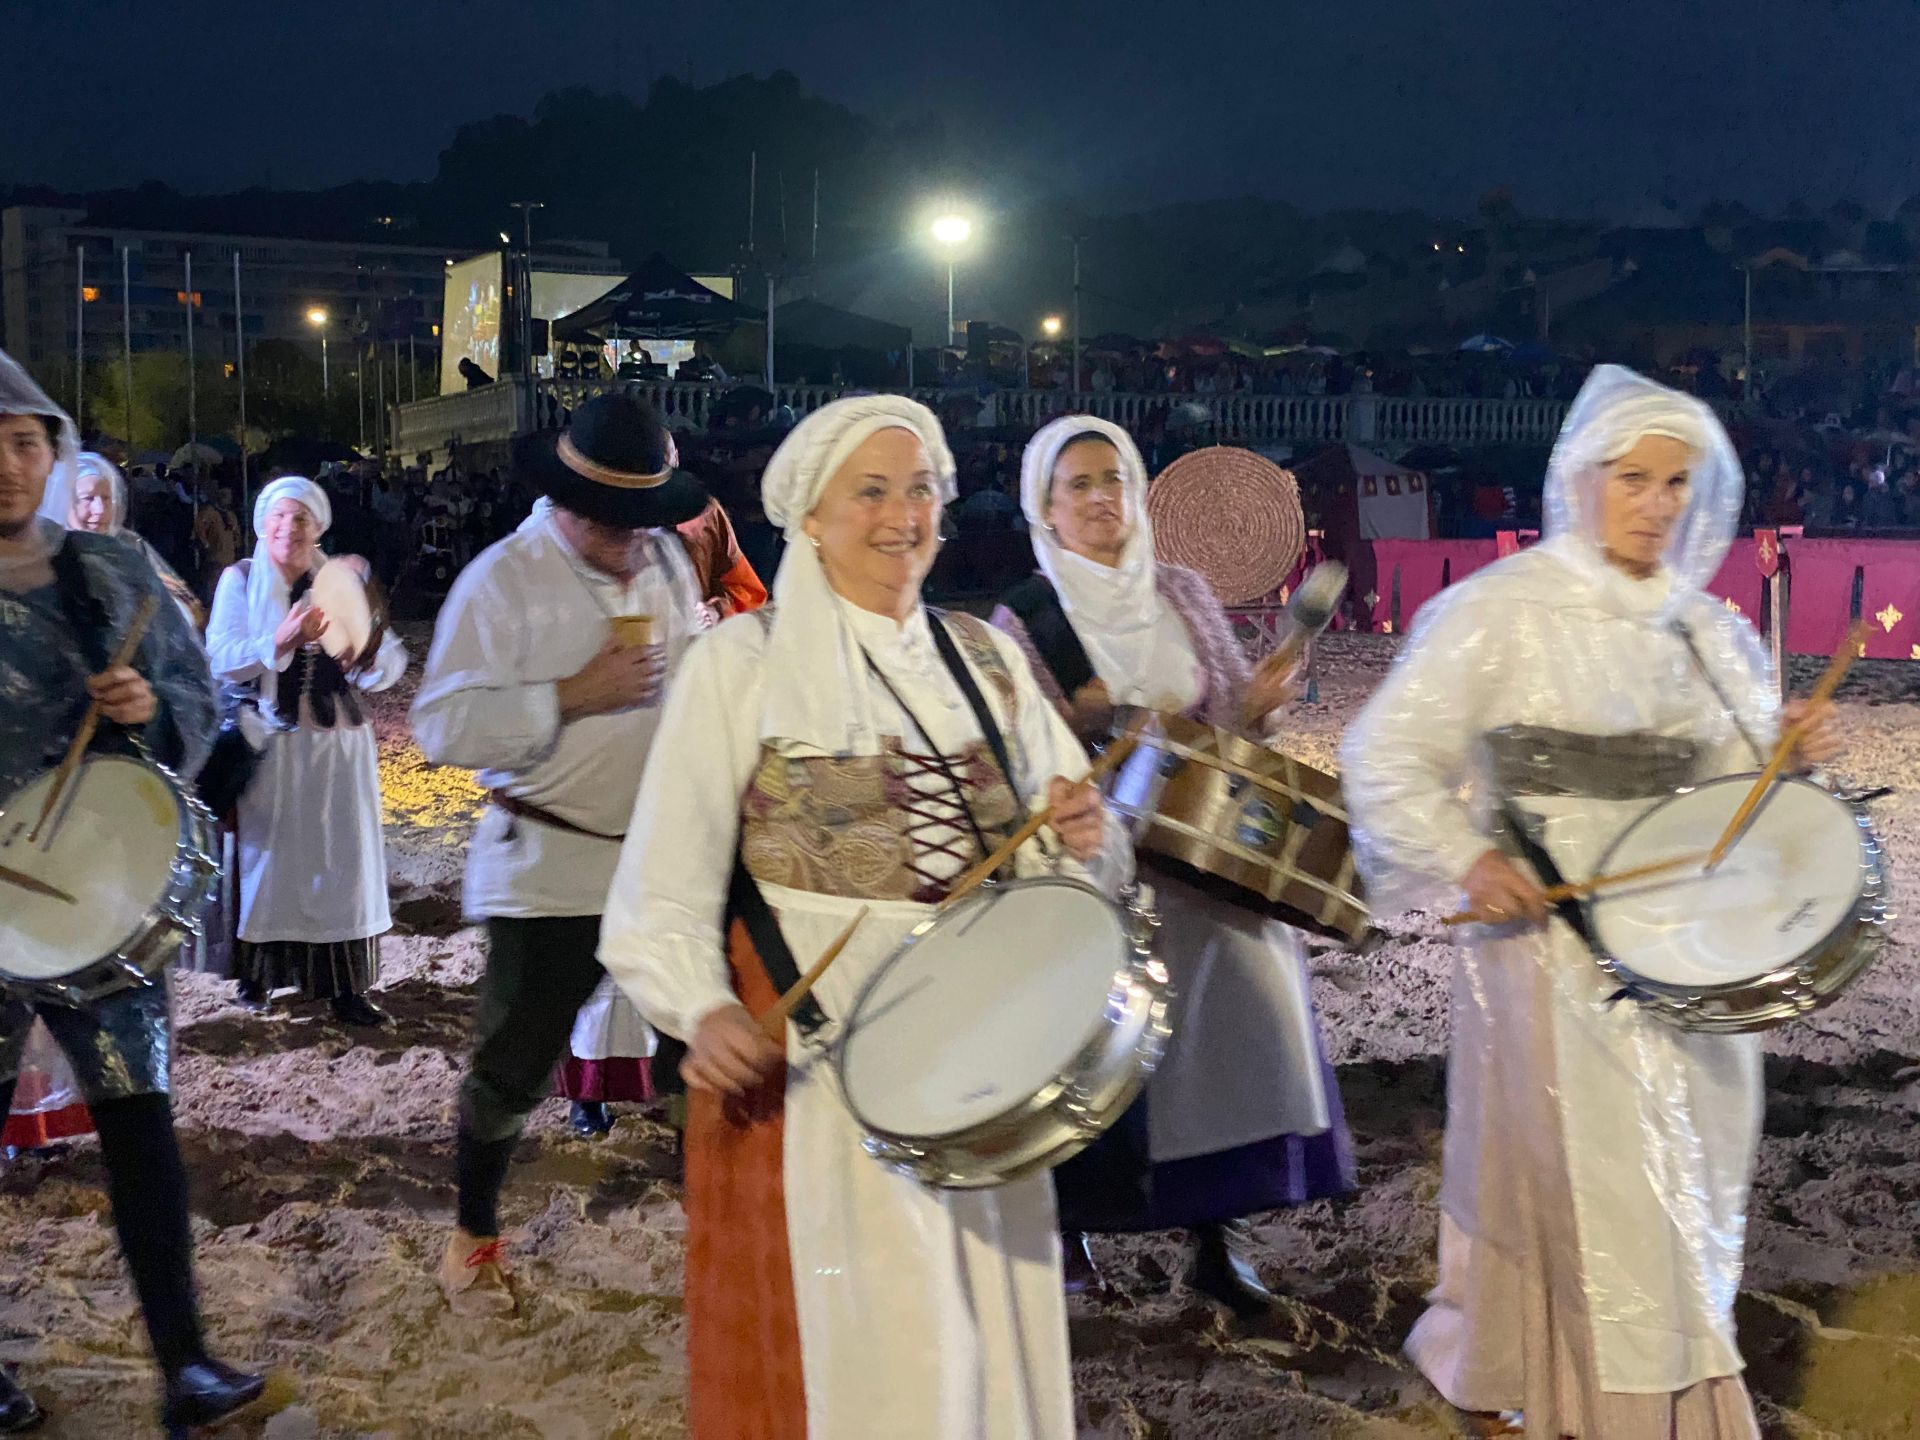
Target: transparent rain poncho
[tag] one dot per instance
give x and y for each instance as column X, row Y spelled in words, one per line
column 1595, row 1154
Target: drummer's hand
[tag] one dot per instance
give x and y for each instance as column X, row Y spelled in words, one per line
column 1822, row 741
column 1499, row 892
column 620, row 677
column 303, row 626
column 730, row 1054
column 1090, row 712
column 1079, row 816
column 1276, row 684
column 123, row 695
column 706, row 615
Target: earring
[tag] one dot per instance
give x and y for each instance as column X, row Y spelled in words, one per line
column 815, row 539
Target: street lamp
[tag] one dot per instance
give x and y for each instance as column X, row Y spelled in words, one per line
column 1051, row 327
column 950, row 232
column 317, row 318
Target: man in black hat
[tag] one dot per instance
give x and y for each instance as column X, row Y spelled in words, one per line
column 547, row 670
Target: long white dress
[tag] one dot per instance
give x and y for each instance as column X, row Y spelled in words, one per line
column 312, row 859
column 1555, row 1099
column 924, row 1313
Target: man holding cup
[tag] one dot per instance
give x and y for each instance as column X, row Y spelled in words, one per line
column 548, row 666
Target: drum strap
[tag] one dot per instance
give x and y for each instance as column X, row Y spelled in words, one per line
column 1700, row 664
column 1038, row 605
column 1535, row 854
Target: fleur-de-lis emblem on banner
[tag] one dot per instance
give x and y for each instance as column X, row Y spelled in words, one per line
column 1889, row 618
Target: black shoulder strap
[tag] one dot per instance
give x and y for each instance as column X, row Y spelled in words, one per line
column 746, row 904
column 86, row 617
column 963, row 677
column 1037, row 604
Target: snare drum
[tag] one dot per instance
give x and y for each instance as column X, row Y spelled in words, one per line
column 1005, row 1034
column 356, row 609
column 1794, row 914
column 1276, row 844
column 139, row 857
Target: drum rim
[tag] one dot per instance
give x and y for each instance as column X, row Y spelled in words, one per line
column 1861, row 929
column 1130, row 963
column 193, row 826
column 377, row 613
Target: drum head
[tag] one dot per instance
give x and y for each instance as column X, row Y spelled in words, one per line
column 341, row 595
column 1783, row 891
column 113, row 853
column 989, row 1002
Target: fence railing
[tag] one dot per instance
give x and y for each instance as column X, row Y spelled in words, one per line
column 501, row 411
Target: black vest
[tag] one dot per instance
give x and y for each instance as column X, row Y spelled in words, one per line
column 1037, row 604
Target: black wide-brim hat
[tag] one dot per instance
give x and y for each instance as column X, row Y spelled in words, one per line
column 611, row 464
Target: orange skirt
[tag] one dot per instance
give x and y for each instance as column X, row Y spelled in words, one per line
column 743, row 1334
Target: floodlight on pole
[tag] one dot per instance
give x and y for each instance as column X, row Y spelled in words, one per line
column 317, row 317
column 950, row 231
column 1051, row 327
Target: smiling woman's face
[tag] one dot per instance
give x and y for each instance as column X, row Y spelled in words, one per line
column 877, row 523
column 1642, row 500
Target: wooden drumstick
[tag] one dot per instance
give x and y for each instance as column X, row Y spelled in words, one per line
column 774, row 1022
column 1829, row 682
column 90, row 722
column 1581, row 889
column 984, row 871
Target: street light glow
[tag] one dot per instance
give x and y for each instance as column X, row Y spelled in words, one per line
column 1051, row 325
column 952, row 230
column 316, row 316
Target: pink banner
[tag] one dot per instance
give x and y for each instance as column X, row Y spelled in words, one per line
column 1740, row 582
column 1890, row 598
column 1821, row 574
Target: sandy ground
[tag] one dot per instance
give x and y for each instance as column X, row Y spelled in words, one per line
column 322, row 1196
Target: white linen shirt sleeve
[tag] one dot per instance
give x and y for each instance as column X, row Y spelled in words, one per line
column 661, row 934
column 1406, row 758
column 234, row 652
column 473, row 710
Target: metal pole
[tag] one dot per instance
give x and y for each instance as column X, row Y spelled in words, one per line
column 1746, row 385
column 80, row 337
column 753, row 187
column 126, row 334
column 380, row 411
column 193, row 394
column 360, row 390
column 240, row 372
column 769, row 332
column 813, row 256
column 949, row 302
column 326, row 375
column 1076, row 315
column 909, row 360
column 413, row 367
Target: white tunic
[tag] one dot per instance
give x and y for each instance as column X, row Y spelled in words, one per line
column 1660, row 1125
column 924, row 1313
column 312, row 860
column 523, row 616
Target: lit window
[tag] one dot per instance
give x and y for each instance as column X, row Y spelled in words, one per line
column 90, row 293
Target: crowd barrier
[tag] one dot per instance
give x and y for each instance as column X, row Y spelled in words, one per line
column 1826, row 584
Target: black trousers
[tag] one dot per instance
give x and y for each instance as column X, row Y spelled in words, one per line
column 148, row 1185
column 539, row 973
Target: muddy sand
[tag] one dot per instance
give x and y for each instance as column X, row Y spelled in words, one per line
column 321, row 1166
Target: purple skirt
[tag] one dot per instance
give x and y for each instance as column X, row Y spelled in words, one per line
column 1112, row 1186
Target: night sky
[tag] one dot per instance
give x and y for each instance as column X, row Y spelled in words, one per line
column 1593, row 108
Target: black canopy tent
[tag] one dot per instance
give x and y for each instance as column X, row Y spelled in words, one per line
column 659, row 301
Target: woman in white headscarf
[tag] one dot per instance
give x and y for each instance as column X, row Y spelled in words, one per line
column 92, row 496
column 827, row 747
column 313, row 874
column 1243, row 1114
column 1597, row 1159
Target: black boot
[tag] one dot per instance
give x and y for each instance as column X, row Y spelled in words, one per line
column 590, row 1119
column 252, row 995
column 352, row 1009
column 1081, row 1275
column 18, row 1413
column 205, row 1392
column 1221, row 1274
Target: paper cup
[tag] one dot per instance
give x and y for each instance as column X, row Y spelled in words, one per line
column 632, row 630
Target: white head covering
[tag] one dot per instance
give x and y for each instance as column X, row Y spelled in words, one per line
column 1613, row 410
column 19, row 395
column 269, row 596
column 814, row 691
column 1115, row 610
column 58, row 506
